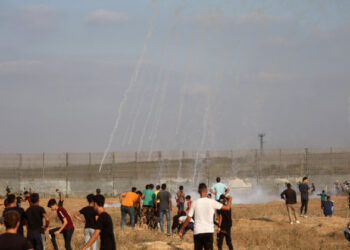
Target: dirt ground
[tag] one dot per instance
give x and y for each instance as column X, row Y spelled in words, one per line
column 256, row 226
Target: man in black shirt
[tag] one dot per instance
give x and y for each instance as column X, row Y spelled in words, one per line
column 290, row 196
column 90, row 217
column 104, row 226
column 304, row 195
column 12, row 206
column 36, row 231
column 11, row 240
column 225, row 224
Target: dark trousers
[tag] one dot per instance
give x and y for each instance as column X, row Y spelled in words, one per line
column 227, row 235
column 36, row 240
column 347, row 235
column 60, row 203
column 203, row 241
column 304, row 206
column 67, row 235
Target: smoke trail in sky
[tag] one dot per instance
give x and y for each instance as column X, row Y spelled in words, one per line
column 131, row 83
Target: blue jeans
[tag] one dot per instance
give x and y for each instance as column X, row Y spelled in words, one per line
column 161, row 215
column 127, row 210
column 36, row 239
column 182, row 206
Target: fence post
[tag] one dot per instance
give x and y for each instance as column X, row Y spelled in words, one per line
column 19, row 169
column 280, row 165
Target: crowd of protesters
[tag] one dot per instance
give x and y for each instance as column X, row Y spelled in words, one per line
column 146, row 208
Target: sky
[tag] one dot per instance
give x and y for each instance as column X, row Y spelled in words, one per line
column 180, row 75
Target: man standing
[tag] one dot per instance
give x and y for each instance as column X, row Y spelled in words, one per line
column 127, row 206
column 149, row 199
column 90, row 217
column 165, row 207
column 225, row 224
column 60, row 198
column 304, row 194
column 12, row 206
column 204, row 210
column 104, row 226
column 290, row 196
column 323, row 197
column 181, row 198
column 67, row 228
column 36, row 230
column 11, row 239
column 219, row 188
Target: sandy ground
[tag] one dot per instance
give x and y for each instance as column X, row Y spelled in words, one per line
column 256, row 226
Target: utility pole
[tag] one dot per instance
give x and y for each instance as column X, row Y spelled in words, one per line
column 261, row 136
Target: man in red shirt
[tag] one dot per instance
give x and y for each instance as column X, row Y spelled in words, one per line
column 66, row 229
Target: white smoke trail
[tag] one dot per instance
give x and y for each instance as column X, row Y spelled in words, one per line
column 131, row 84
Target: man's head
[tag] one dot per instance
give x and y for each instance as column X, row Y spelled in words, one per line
column 158, row 187
column 151, row 186
column 52, row 204
column 34, row 198
column 218, row 179
column 305, row 180
column 26, row 194
column 328, row 198
column 181, row 188
column 90, row 198
column 98, row 191
column 139, row 193
column 147, row 186
column 188, row 197
column 11, row 199
column 99, row 201
column 57, row 190
column 289, row 185
column 202, row 189
column 222, row 199
column 323, row 191
column 133, row 189
column 163, row 186
column 12, row 220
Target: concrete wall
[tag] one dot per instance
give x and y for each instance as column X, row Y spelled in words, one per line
column 77, row 173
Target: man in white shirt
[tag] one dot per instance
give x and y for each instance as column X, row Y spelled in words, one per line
column 204, row 210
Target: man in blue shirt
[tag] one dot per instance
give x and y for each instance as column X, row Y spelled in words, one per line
column 328, row 207
column 219, row 188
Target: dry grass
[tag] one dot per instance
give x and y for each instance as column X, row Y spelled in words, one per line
column 259, row 226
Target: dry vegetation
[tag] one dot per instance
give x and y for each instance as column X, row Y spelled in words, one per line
column 258, row 226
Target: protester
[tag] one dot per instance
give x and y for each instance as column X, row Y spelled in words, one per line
column 98, row 191
column 149, row 201
column 27, row 197
column 225, row 224
column 35, row 229
column 67, row 228
column 181, row 220
column 90, row 217
column 323, row 197
column 11, row 206
column 180, row 198
column 156, row 193
column 204, row 210
column 60, row 197
column 313, row 188
column 137, row 206
column 11, row 240
column 219, row 188
column 104, row 226
column 189, row 202
column 290, row 196
column 328, row 207
column 165, row 207
column 19, row 199
column 127, row 206
column 304, row 194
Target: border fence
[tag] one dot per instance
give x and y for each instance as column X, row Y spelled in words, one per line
column 77, row 173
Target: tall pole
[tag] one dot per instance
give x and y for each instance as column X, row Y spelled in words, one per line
column 261, row 136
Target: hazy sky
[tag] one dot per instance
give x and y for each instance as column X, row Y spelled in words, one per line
column 213, row 76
